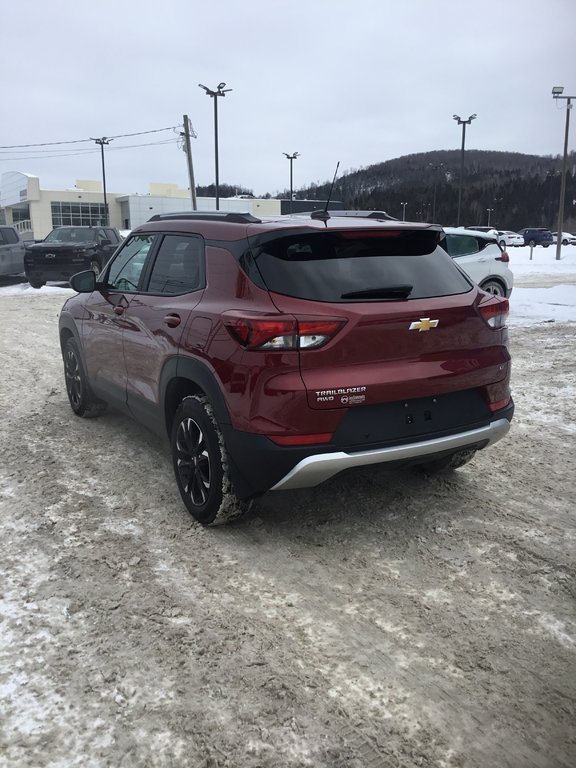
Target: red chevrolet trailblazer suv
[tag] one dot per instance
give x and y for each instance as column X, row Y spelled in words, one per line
column 276, row 353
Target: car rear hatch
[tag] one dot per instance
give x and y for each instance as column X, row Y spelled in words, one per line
column 406, row 323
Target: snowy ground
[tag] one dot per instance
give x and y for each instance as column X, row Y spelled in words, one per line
column 382, row 619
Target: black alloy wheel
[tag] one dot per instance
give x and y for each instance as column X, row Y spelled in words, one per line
column 193, row 461
column 201, row 464
column 82, row 402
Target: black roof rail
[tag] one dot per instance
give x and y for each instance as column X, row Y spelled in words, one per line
column 365, row 214
column 234, row 218
column 321, row 214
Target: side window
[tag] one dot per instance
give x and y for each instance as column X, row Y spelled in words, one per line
column 9, row 236
column 178, row 265
column 461, row 245
column 111, row 235
column 2, row 238
column 124, row 272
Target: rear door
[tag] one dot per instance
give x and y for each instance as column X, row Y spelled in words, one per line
column 470, row 254
column 155, row 319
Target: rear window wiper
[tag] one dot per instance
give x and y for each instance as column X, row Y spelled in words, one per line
column 390, row 292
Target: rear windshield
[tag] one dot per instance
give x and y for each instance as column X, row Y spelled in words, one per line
column 359, row 266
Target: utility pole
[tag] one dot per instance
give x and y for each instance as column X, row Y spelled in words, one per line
column 490, row 210
column 557, row 94
column 463, row 123
column 403, row 211
column 188, row 130
column 435, row 168
column 101, row 142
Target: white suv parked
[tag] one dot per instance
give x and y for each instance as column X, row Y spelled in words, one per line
column 482, row 258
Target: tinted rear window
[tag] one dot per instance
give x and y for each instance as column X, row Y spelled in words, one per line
column 325, row 266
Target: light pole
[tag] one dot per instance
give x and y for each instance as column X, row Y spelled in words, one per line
column 291, row 157
column 403, row 211
column 557, row 94
column 101, row 142
column 435, row 168
column 463, row 123
column 214, row 95
column 490, row 210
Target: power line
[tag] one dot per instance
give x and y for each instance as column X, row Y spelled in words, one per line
column 81, row 141
column 64, row 153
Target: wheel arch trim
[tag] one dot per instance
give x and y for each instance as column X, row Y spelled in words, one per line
column 198, row 374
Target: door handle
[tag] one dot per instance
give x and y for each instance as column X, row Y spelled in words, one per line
column 172, row 321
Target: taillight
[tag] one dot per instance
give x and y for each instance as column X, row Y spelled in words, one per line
column 262, row 334
column 280, row 333
column 315, row 333
column 293, row 440
column 505, row 258
column 499, row 404
column 495, row 313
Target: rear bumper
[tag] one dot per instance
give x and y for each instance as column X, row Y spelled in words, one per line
column 314, row 470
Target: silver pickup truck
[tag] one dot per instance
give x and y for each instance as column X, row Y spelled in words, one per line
column 11, row 251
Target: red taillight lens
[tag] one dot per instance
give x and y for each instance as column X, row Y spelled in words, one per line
column 495, row 312
column 284, row 333
column 301, row 439
column 499, row 404
column 505, row 258
column 262, row 334
column 315, row 333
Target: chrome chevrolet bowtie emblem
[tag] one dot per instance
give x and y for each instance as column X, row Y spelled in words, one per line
column 424, row 324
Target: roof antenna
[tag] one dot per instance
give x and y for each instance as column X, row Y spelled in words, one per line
column 324, row 215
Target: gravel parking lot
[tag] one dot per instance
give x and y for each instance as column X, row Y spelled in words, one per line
column 382, row 619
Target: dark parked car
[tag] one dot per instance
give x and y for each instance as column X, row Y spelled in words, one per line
column 276, row 353
column 68, row 250
column 537, row 236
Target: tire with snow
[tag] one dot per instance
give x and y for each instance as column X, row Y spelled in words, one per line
column 448, row 463
column 201, row 464
column 36, row 283
column 82, row 401
column 564, row 242
column 494, row 287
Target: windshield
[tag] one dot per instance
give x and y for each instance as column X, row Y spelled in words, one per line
column 71, row 235
column 359, row 266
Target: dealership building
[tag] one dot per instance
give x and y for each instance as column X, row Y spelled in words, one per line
column 35, row 211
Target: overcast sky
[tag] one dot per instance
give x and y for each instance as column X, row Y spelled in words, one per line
column 359, row 81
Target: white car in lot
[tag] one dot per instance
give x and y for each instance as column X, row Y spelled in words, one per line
column 508, row 238
column 481, row 256
column 567, row 238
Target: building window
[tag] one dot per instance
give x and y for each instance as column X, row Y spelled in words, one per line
column 78, row 214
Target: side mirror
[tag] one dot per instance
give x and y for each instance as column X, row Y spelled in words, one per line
column 105, row 242
column 83, row 282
